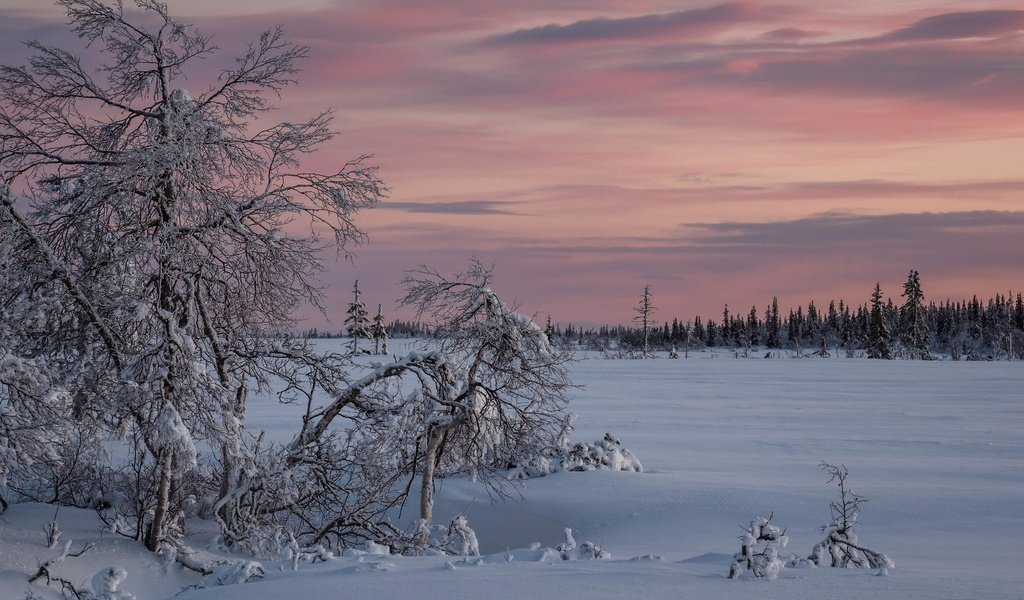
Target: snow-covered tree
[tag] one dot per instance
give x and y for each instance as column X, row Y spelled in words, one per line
column 914, row 331
column 501, row 393
column 157, row 234
column 879, row 338
column 356, row 319
column 759, row 550
column 380, row 333
column 840, row 548
column 488, row 394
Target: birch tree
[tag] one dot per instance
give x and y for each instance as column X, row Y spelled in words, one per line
column 158, row 229
column 503, row 396
column 489, row 394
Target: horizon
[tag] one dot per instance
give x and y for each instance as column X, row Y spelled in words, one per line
column 717, row 151
column 784, row 309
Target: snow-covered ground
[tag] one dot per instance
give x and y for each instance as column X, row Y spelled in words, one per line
column 937, row 446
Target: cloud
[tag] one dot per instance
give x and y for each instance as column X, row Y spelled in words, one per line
column 691, row 22
column 960, row 25
column 463, row 207
column 836, row 228
column 791, row 34
column 980, row 74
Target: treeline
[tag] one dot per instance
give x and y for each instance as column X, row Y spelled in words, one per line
column 396, row 329
column 964, row 330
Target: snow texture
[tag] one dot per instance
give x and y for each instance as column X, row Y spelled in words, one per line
column 935, row 445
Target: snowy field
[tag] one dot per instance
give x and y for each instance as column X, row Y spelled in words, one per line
column 938, row 447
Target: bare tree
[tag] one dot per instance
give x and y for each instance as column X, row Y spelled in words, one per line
column 157, row 235
column 644, row 311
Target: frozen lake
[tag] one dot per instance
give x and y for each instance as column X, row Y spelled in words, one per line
column 937, row 447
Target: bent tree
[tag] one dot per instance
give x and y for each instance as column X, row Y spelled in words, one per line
column 488, row 394
column 148, row 241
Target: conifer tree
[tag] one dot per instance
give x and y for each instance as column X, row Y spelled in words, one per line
column 914, row 331
column 878, row 332
column 754, row 327
column 356, row 321
column 549, row 331
column 380, row 333
column 773, row 325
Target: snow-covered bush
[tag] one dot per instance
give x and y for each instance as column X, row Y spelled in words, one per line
column 461, row 539
column 231, row 573
column 570, row 550
column 294, row 553
column 455, row 539
column 840, row 548
column 606, row 453
column 106, row 582
column 759, row 550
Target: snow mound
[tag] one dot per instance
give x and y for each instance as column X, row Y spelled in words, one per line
column 604, row 454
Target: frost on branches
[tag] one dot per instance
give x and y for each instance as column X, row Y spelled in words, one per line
column 489, row 393
column 499, row 392
column 155, row 243
column 149, row 230
column 759, row 550
column 840, row 548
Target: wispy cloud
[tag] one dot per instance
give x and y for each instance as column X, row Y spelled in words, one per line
column 698, row 21
column 961, row 25
column 933, row 230
column 577, row 118
column 464, row 207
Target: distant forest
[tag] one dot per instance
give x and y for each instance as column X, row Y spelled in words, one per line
column 911, row 328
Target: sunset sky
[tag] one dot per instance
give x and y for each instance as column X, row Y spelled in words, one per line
column 722, row 153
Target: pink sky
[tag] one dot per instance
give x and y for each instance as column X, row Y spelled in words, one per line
column 722, row 153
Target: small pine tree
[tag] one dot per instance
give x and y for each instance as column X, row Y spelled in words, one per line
column 380, row 333
column 356, row 321
column 773, row 325
column 878, row 333
column 914, row 331
column 549, row 331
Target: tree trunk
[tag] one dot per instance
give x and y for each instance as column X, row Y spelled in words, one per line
column 231, row 469
column 427, row 488
column 163, row 501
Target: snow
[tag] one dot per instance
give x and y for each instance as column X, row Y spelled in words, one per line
column 936, row 447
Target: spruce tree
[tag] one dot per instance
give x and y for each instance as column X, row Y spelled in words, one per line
column 356, row 321
column 549, row 331
column 754, row 327
column 380, row 333
column 773, row 325
column 878, row 332
column 914, row 333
